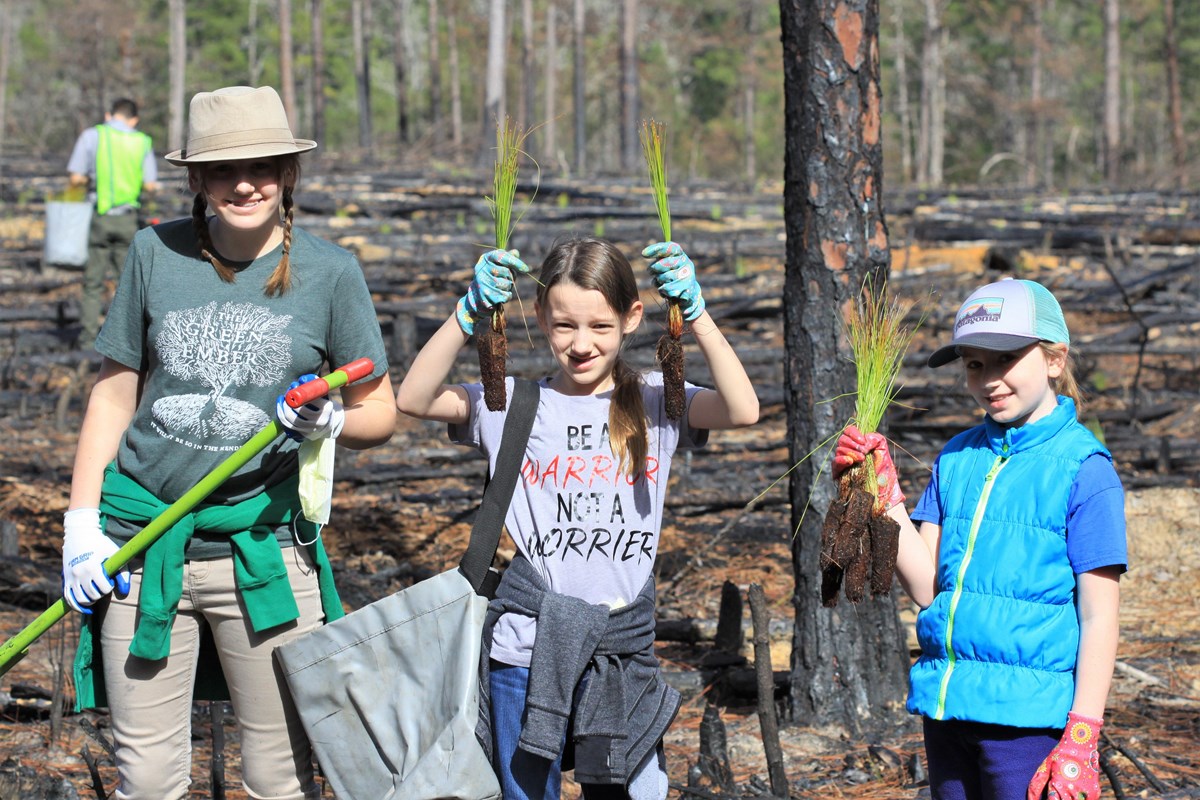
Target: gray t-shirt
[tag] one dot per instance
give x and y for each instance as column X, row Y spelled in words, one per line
column 588, row 530
column 216, row 355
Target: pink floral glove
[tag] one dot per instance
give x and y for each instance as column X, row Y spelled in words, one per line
column 852, row 448
column 1072, row 770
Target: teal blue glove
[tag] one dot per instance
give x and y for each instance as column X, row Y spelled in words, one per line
column 675, row 277
column 491, row 287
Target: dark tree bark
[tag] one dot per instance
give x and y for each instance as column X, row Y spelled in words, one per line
column 849, row 663
column 317, row 31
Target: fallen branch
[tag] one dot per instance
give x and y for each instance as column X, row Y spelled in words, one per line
column 1138, row 675
column 1124, row 750
column 91, row 730
column 766, row 691
column 1114, row 777
column 694, row 792
column 97, row 781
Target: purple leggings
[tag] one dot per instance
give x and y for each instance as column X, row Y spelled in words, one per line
column 978, row 761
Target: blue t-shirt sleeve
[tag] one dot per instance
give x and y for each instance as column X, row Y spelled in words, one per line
column 929, row 507
column 1096, row 518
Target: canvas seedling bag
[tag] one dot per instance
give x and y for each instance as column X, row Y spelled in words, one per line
column 389, row 694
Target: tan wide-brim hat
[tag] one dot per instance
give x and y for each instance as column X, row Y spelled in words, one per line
column 237, row 122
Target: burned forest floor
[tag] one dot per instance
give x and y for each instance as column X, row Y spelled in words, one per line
column 1125, row 267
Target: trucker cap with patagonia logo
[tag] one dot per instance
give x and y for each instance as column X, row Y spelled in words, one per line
column 1006, row 315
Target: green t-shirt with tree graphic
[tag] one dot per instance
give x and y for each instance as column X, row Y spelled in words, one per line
column 217, row 355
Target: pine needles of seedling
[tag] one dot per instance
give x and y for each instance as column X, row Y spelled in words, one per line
column 879, row 337
column 670, row 347
column 859, row 541
column 651, row 135
column 490, row 338
column 509, row 138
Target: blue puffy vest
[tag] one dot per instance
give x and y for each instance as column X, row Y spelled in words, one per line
column 1000, row 639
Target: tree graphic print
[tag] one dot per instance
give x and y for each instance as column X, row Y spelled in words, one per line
column 230, row 345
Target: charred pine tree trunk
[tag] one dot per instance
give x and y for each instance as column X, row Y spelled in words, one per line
column 849, row 663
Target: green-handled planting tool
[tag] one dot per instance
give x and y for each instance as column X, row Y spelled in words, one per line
column 15, row 648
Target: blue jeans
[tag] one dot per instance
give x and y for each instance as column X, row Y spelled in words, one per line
column 524, row 776
column 977, row 761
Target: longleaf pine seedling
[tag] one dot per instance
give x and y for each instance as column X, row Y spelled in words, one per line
column 490, row 340
column 670, row 346
column 859, row 541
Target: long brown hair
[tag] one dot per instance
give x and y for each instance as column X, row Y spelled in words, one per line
column 597, row 264
column 288, row 167
column 1065, row 384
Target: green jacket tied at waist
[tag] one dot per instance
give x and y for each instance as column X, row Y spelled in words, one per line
column 259, row 569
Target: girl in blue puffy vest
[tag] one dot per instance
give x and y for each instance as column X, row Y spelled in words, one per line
column 1015, row 564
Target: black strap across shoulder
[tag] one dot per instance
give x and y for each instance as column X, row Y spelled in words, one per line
column 489, row 520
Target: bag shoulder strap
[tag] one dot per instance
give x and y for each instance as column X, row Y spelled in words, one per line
column 489, row 520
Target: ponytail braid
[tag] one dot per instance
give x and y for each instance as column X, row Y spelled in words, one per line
column 281, row 279
column 627, row 420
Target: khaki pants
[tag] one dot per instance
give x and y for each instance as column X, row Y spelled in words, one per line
column 108, row 244
column 151, row 701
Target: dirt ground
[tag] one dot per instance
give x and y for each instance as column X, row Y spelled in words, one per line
column 391, row 527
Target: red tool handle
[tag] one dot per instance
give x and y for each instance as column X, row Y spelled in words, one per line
column 320, row 387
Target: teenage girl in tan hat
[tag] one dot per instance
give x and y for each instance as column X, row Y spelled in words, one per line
column 213, row 316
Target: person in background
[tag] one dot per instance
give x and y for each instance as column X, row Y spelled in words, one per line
column 213, row 316
column 1016, row 565
column 573, row 676
column 117, row 162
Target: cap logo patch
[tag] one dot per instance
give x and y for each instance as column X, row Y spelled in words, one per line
column 983, row 309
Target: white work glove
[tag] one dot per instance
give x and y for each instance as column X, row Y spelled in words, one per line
column 85, row 549
column 314, row 420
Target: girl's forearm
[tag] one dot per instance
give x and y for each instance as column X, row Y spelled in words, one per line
column 1099, row 628
column 916, row 565
column 736, row 401
column 423, row 392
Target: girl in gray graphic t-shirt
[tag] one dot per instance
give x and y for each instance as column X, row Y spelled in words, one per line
column 586, row 514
